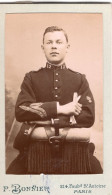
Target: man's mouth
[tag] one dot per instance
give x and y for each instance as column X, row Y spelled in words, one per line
column 54, row 53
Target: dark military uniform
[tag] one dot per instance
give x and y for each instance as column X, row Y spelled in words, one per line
column 50, row 85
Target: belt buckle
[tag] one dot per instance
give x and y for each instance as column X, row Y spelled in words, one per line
column 55, row 121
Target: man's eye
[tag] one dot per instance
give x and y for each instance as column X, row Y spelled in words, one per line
column 48, row 43
column 59, row 42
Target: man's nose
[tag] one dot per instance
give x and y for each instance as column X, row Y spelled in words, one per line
column 54, row 45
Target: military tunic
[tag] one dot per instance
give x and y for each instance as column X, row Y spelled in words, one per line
column 55, row 84
column 48, row 86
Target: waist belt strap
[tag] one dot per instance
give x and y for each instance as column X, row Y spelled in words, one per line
column 56, row 141
column 56, row 126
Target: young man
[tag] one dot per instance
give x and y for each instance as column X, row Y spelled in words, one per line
column 54, row 98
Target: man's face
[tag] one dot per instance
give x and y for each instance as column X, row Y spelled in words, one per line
column 55, row 47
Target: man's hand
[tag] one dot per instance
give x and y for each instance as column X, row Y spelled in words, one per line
column 69, row 109
column 72, row 108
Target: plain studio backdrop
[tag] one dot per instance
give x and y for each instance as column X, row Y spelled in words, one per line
column 23, row 53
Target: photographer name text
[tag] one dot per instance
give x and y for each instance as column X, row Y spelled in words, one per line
column 77, row 188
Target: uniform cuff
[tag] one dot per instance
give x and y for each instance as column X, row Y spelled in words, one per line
column 50, row 108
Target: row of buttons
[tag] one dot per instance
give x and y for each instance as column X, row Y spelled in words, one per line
column 56, row 85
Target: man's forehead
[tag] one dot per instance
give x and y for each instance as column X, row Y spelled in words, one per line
column 55, row 35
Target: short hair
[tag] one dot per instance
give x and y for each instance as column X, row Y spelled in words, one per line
column 53, row 29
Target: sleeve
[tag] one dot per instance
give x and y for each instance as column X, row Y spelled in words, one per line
column 26, row 97
column 87, row 116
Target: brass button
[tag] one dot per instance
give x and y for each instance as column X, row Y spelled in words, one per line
column 56, row 88
column 56, row 95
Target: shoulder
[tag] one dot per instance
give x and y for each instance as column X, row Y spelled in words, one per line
column 34, row 72
column 78, row 74
column 74, row 71
column 37, row 71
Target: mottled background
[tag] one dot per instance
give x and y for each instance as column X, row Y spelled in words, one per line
column 23, row 39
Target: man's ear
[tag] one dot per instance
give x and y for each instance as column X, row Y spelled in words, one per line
column 68, row 46
column 42, row 47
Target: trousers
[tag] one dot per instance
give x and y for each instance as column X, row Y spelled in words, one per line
column 73, row 158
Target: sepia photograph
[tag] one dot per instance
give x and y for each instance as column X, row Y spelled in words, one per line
column 55, row 102
column 53, row 92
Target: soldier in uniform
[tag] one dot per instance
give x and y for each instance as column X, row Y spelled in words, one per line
column 53, row 99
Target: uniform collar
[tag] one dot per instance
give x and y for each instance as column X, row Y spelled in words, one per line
column 51, row 66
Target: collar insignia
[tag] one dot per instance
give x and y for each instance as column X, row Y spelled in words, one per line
column 51, row 66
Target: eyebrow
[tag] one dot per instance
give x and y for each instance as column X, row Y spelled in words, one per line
column 56, row 40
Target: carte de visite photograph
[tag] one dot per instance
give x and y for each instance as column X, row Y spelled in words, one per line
column 54, row 93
